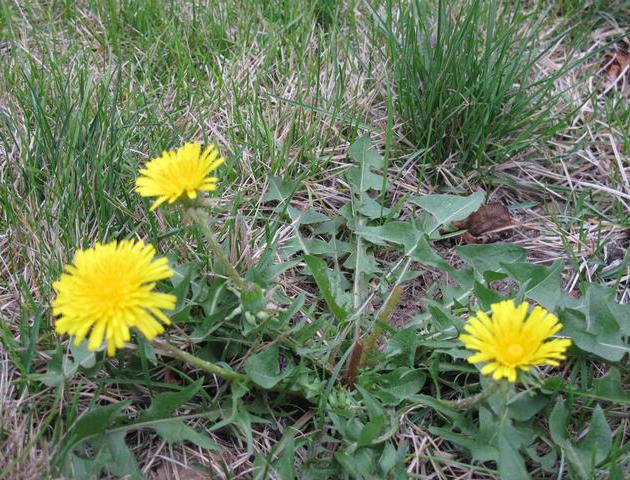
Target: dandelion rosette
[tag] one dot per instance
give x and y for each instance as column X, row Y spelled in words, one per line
column 178, row 174
column 510, row 340
column 107, row 290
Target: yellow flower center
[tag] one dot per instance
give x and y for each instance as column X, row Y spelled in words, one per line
column 113, row 293
column 114, row 285
column 513, row 353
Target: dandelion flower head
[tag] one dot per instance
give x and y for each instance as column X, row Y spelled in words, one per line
column 107, row 290
column 177, row 174
column 510, row 340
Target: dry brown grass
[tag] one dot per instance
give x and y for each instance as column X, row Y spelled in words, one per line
column 19, row 422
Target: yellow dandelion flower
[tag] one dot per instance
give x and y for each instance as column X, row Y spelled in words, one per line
column 108, row 289
column 511, row 340
column 179, row 173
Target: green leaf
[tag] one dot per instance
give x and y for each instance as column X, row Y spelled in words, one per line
column 388, row 459
column 306, row 217
column 89, row 425
column 213, row 311
column 284, row 464
column 82, row 355
column 479, row 447
column 371, row 431
column 349, row 464
column 547, row 462
column 264, row 368
column 622, row 314
column 458, row 420
column 63, row 367
column 361, row 177
column 601, row 322
column 403, row 344
column 399, row 385
column 123, row 462
column 159, row 417
column 110, row 446
column 424, row 253
column 373, row 407
column 253, row 298
column 490, row 257
column 598, row 302
column 606, row 344
column 96, row 420
column 176, row 431
column 511, row 464
column 606, row 388
column 110, row 453
column 59, row 369
column 598, row 441
column 398, row 233
column 164, row 404
column 609, row 387
column 443, row 320
column 181, row 283
column 279, row 190
column 539, row 283
column 321, row 274
column 486, row 296
column 558, row 422
column 371, row 208
column 364, row 264
column 593, row 448
column 524, row 405
column 410, row 236
column 79, row 467
column 449, row 208
column 315, row 246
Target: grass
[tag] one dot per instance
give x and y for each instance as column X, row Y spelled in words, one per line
column 472, row 98
column 89, row 91
column 75, row 113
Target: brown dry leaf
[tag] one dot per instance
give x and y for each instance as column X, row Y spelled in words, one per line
column 616, row 62
column 170, row 377
column 488, row 218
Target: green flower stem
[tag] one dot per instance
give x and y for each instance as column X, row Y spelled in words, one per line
column 202, row 219
column 466, row 403
column 199, row 363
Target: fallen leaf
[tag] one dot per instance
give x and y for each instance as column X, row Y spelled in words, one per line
column 488, row 218
column 616, row 63
column 171, row 378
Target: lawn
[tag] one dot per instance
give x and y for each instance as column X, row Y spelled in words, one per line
column 391, row 168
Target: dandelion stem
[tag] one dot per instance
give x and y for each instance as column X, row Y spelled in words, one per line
column 202, row 220
column 466, row 403
column 199, row 363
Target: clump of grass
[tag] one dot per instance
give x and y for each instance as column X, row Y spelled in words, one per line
column 466, row 80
